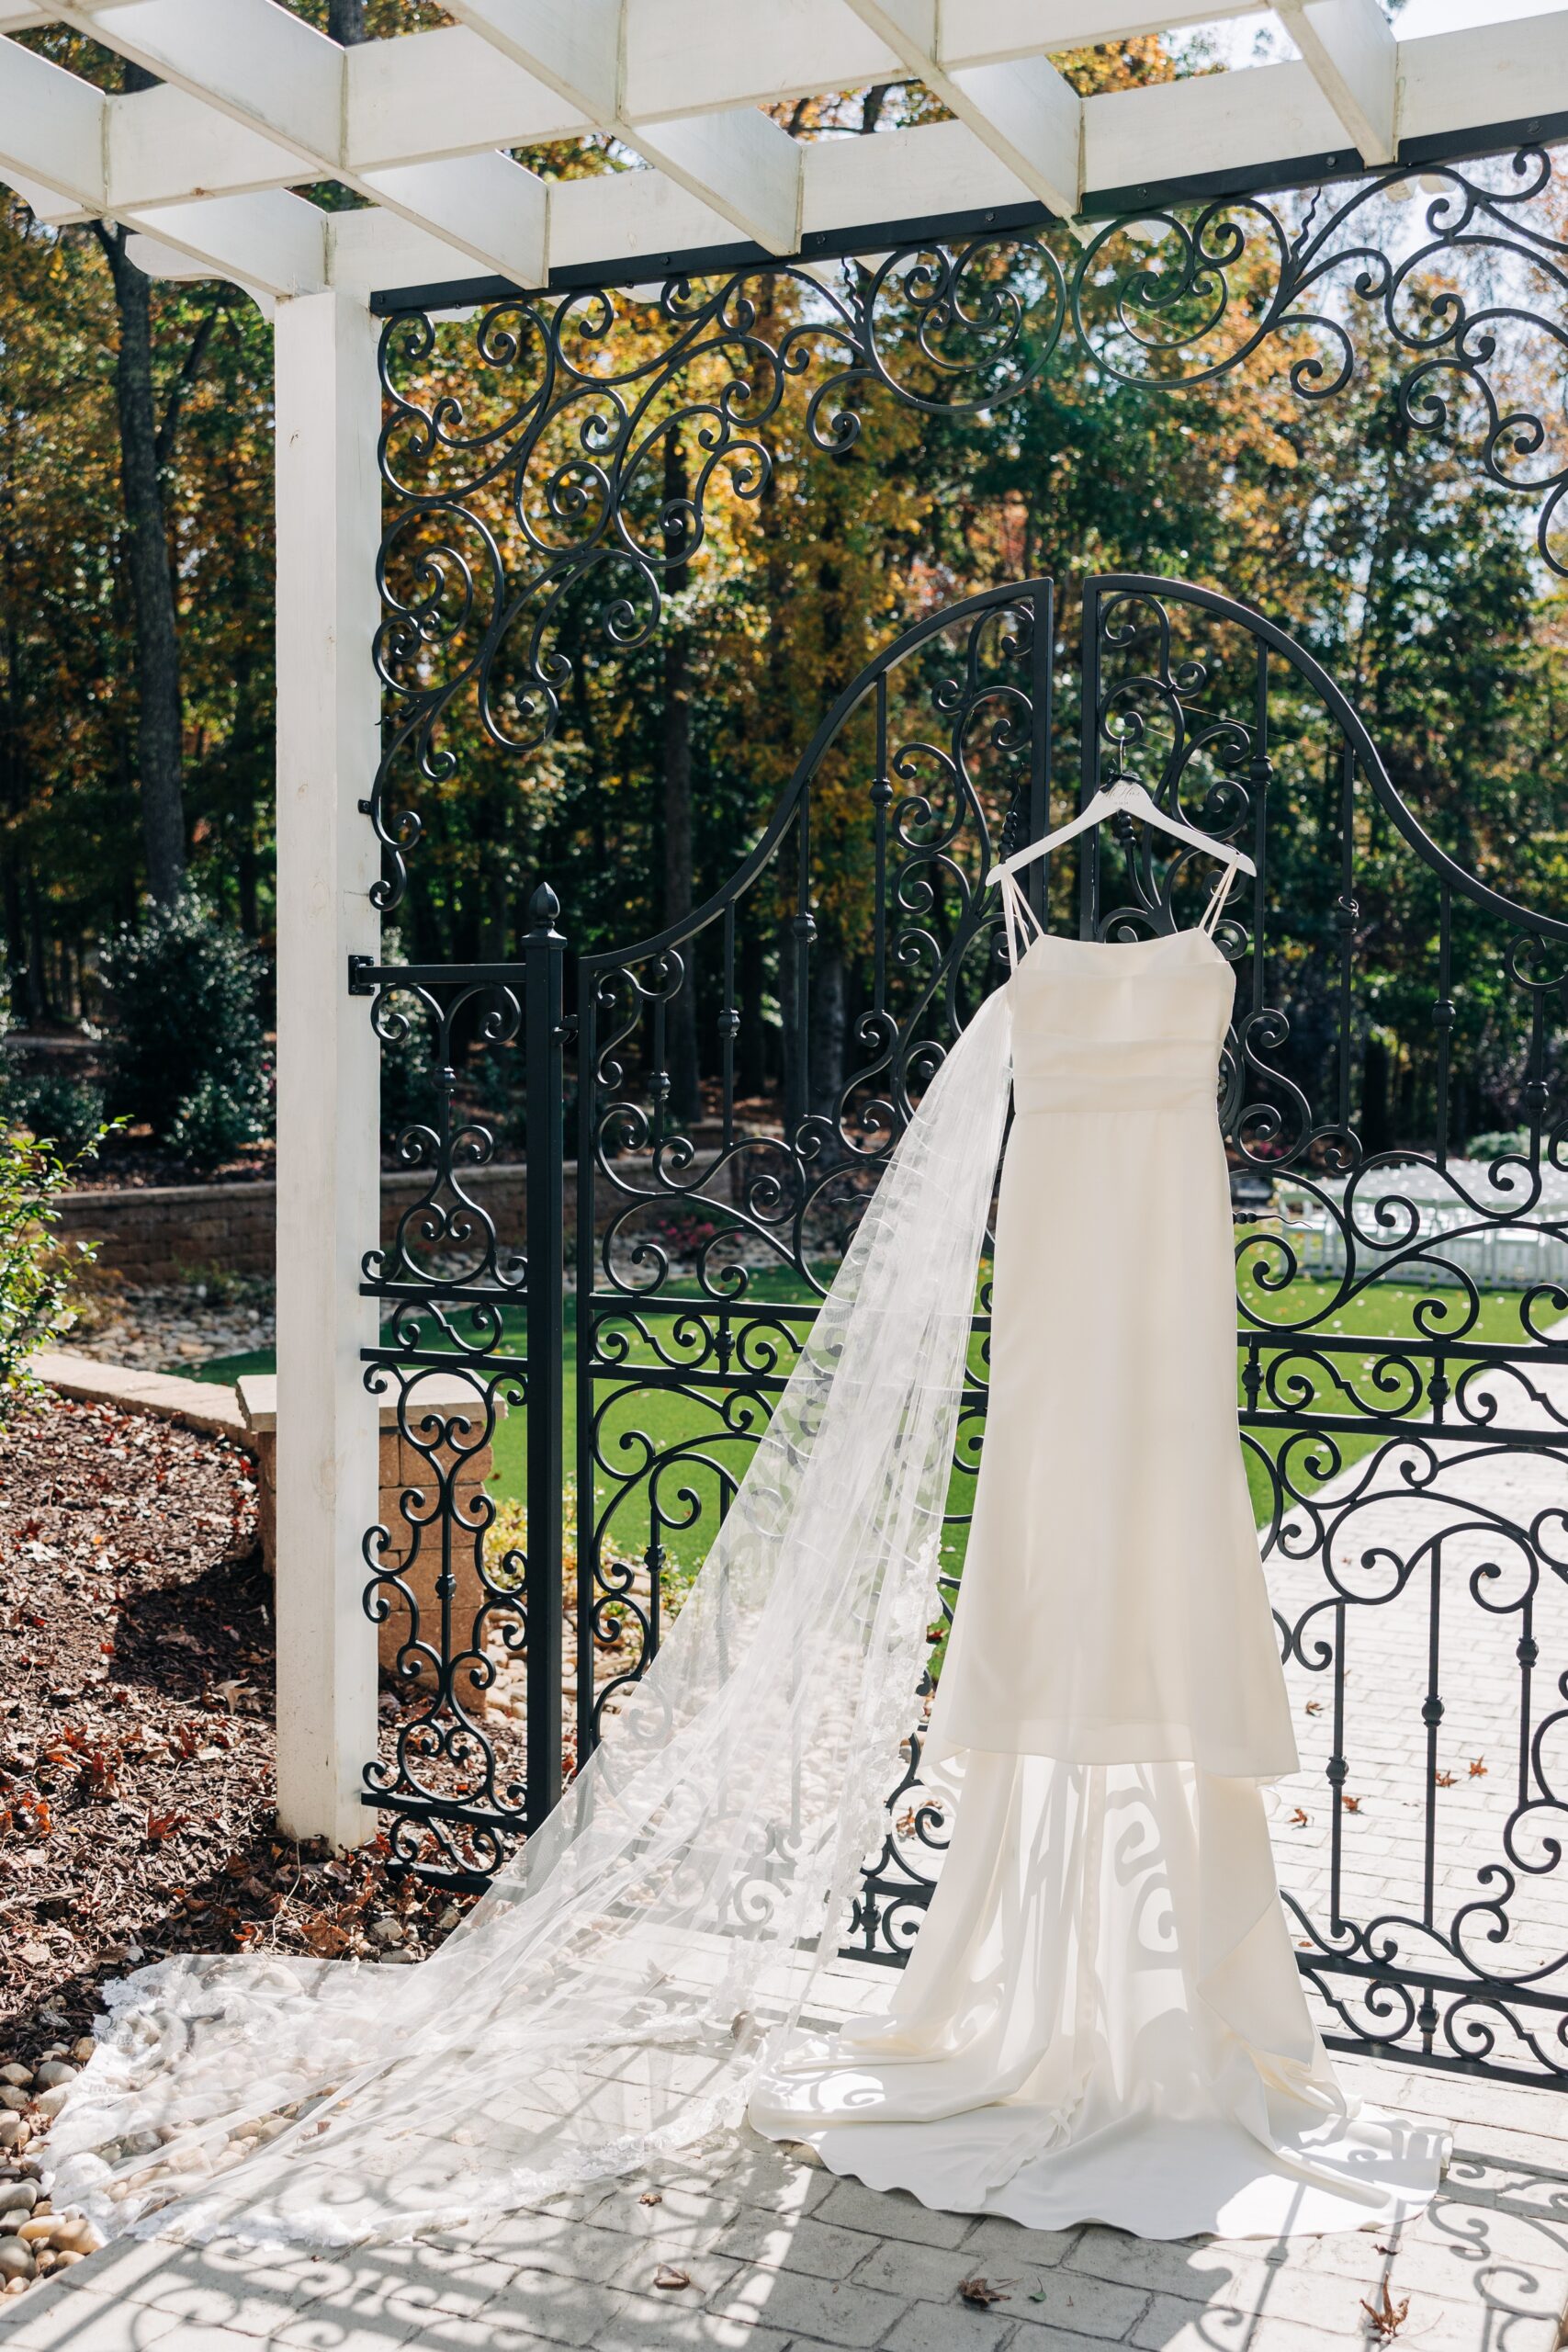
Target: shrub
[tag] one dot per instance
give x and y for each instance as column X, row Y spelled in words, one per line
column 190, row 1054
column 35, row 1272
column 67, row 1111
column 409, row 1094
column 8, row 1081
column 214, row 1123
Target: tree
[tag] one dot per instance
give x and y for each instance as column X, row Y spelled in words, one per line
column 146, row 450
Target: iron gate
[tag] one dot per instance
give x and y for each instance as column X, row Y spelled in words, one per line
column 1403, row 1394
column 1398, row 1370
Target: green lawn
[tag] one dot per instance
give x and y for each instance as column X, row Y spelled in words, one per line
column 692, row 1448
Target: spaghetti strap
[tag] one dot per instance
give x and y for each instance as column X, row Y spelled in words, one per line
column 1020, row 918
column 1215, row 907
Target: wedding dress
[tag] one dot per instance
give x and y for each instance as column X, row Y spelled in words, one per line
column 1101, row 2018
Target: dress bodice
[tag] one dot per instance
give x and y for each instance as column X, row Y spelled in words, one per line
column 1101, row 1027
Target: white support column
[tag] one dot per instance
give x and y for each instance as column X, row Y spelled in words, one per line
column 328, row 411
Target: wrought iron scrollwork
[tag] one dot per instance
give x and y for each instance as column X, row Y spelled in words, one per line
column 529, row 467
column 468, row 1328
column 1170, row 299
column 1401, row 1354
column 702, row 1252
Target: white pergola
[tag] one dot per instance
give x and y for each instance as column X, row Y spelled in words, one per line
column 252, row 104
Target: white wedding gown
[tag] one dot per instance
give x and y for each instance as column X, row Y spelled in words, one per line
column 1102, row 2018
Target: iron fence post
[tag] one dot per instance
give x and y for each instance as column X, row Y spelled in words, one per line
column 543, row 949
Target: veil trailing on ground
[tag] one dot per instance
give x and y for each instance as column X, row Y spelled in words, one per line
column 617, row 1991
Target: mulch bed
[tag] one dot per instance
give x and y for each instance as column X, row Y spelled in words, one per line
column 136, row 1779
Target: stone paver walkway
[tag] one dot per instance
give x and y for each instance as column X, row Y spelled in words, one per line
column 779, row 2256
column 782, row 2256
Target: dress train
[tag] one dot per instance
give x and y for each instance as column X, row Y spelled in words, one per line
column 1102, row 2020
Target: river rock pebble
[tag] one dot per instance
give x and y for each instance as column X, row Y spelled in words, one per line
column 16, row 2259
column 17, row 2196
column 173, row 1328
column 52, row 2072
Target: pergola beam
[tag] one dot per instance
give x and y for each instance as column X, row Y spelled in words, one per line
column 252, row 103
column 445, row 93
column 251, row 59
column 1024, row 111
column 218, row 155
column 255, row 98
column 485, row 206
column 273, row 241
column 1349, row 48
column 1518, row 75
column 737, row 161
column 740, row 163
column 1137, row 140
column 572, row 46
column 52, row 127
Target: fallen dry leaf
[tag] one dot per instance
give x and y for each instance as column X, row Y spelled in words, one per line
column 1299, row 1819
column 1386, row 2316
column 1314, row 1706
column 1478, row 1768
column 667, row 2276
column 651, row 2197
column 1445, row 1780
column 981, row 2293
column 1351, row 1804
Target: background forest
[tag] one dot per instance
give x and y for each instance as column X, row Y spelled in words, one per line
column 136, row 644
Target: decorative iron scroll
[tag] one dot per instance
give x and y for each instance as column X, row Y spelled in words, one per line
column 1418, row 1566
column 1400, row 1358
column 525, row 465
column 469, row 1332
column 945, row 738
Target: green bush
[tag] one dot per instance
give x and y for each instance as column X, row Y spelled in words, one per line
column 67, row 1111
column 7, row 1079
column 409, row 1094
column 35, row 1272
column 190, row 1052
column 214, row 1123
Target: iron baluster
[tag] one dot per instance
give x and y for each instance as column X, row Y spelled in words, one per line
column 543, row 1037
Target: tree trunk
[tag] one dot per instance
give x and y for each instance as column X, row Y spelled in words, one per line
column 39, row 1008
column 152, row 578
column 245, row 737
column 12, row 795
column 345, row 21
column 681, row 1016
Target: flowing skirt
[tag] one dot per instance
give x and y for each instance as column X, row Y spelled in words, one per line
column 1102, row 2020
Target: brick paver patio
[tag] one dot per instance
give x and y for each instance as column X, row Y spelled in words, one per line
column 782, row 2255
column 779, row 2256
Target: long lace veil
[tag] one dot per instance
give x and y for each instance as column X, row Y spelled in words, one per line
column 614, row 1994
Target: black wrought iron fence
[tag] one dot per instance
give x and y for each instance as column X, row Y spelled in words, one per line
column 1402, row 1384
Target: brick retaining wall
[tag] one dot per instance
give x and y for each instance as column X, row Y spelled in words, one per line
column 175, row 1233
